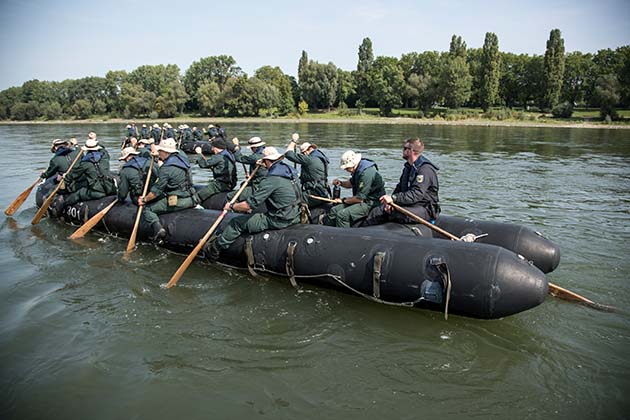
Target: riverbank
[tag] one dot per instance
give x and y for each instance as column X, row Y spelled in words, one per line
column 546, row 123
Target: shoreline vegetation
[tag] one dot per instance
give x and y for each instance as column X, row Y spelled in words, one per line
column 335, row 118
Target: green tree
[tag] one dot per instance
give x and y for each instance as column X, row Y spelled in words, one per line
column 386, row 81
column 579, row 77
column 136, row 101
column 553, row 69
column 364, row 65
column 490, row 68
column 274, row 76
column 607, row 96
column 52, row 111
column 455, row 80
column 209, row 97
column 319, row 88
column 25, row 111
column 82, row 109
column 302, row 64
column 218, row 69
column 345, row 87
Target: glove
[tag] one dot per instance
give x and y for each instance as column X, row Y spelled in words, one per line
column 198, row 150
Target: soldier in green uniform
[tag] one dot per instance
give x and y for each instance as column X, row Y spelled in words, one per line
column 257, row 146
column 90, row 178
column 280, row 191
column 60, row 162
column 197, row 134
column 133, row 175
column 173, row 190
column 223, row 168
column 367, row 187
column 313, row 170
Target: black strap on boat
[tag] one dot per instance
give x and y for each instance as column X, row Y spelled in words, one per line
column 289, row 265
column 249, row 252
column 446, row 281
column 376, row 274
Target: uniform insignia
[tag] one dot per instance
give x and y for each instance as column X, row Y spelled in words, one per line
column 420, row 178
column 360, row 184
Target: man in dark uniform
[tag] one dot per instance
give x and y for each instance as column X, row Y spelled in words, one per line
column 223, row 168
column 90, row 178
column 173, row 190
column 60, row 162
column 313, row 170
column 212, row 132
column 144, row 132
column 257, row 146
column 133, row 175
column 169, row 131
column 144, row 147
column 417, row 190
column 197, row 134
column 367, row 187
column 279, row 191
column 156, row 133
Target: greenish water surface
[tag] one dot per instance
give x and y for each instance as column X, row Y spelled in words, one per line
column 84, row 334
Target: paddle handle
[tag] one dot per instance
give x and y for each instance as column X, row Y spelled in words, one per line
column 20, row 199
column 44, row 208
column 134, row 231
column 424, row 222
column 182, row 268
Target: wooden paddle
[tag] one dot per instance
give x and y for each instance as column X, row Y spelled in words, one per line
column 44, row 208
column 554, row 290
column 134, row 231
column 182, row 268
column 93, row 221
column 20, row 199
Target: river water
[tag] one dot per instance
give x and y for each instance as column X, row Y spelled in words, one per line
column 84, row 334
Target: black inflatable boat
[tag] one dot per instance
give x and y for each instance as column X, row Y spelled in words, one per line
column 383, row 264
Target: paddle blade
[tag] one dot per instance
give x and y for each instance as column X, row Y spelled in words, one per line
column 565, row 294
column 20, row 199
column 87, row 226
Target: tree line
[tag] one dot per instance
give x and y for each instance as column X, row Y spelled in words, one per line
column 460, row 77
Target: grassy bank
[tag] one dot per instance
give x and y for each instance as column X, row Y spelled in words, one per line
column 582, row 118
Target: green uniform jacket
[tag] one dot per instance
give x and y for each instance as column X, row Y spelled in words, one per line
column 92, row 173
column 281, row 195
column 368, row 185
column 133, row 177
column 313, row 174
column 60, row 163
column 223, row 168
column 251, row 161
column 173, row 179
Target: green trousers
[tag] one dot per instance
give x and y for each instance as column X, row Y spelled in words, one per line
column 344, row 216
column 151, row 211
column 255, row 223
column 213, row 187
column 83, row 194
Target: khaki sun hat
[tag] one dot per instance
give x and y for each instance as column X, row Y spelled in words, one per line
column 58, row 142
column 91, row 144
column 350, row 159
column 255, row 142
column 304, row 146
column 128, row 151
column 271, row 153
column 167, row 145
column 147, row 141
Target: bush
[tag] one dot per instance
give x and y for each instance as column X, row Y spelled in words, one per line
column 52, row 111
column 562, row 110
column 302, row 107
column 500, row 114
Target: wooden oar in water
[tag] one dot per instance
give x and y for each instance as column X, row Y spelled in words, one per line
column 20, row 199
column 554, row 290
column 44, row 208
column 134, row 231
column 182, row 268
column 93, row 221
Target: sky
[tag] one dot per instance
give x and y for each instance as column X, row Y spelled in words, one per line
column 57, row 40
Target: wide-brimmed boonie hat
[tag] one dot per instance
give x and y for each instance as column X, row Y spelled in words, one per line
column 91, row 144
column 350, row 159
column 304, row 146
column 167, row 145
column 255, row 142
column 147, row 141
column 271, row 153
column 128, row 151
column 58, row 142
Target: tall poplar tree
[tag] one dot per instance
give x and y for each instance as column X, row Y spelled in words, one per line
column 366, row 59
column 302, row 64
column 456, row 81
column 490, row 66
column 554, row 68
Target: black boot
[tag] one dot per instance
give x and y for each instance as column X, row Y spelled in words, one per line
column 159, row 233
column 211, row 250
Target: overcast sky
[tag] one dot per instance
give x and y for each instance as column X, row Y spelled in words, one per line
column 71, row 39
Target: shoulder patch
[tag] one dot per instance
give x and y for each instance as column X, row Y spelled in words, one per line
column 420, row 178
